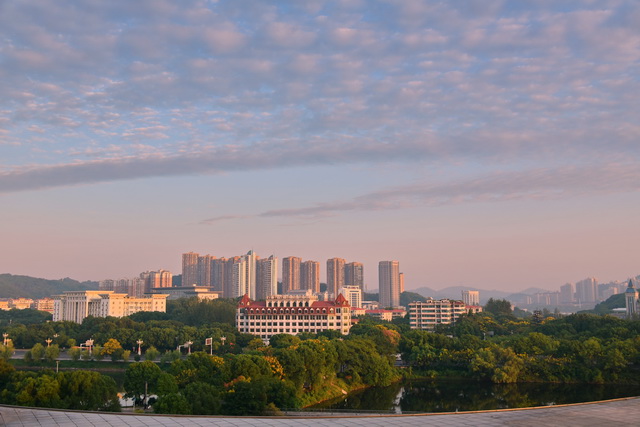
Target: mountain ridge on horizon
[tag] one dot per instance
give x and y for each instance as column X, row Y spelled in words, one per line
column 17, row 286
column 455, row 292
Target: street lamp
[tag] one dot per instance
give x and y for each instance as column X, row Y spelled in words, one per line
column 5, row 336
column 139, row 342
column 223, row 339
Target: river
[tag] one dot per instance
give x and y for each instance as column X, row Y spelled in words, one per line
column 451, row 396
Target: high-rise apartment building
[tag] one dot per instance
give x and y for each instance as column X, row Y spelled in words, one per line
column 291, row 274
column 190, row 269
column 335, row 275
column 586, row 290
column 310, row 276
column 204, row 270
column 229, row 289
column 389, row 283
column 567, row 293
column 266, row 277
column 354, row 274
column 401, row 282
column 218, row 273
column 239, row 278
column 244, row 276
column 471, row 297
column 160, row 279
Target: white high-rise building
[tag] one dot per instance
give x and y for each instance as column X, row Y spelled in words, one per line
column 353, row 294
column 389, row 283
column 471, row 297
column 239, row 278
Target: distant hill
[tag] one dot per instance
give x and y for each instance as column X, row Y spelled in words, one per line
column 31, row 287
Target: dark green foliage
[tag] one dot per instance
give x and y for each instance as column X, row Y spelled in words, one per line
column 498, row 307
column 141, row 379
column 27, row 316
column 606, row 307
column 31, row 287
column 82, row 390
column 194, row 312
column 407, row 297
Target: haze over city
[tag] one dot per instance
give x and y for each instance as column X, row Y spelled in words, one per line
column 488, row 144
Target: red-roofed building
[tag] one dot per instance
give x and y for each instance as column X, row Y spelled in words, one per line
column 292, row 314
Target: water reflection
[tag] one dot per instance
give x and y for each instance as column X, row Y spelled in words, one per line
column 438, row 396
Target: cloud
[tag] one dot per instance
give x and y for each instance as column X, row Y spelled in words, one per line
column 209, row 161
column 535, row 184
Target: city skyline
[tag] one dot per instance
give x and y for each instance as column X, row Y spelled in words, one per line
column 483, row 144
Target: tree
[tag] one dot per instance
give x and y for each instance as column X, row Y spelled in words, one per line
column 151, row 354
column 41, row 391
column 52, row 352
column 113, row 349
column 283, row 341
column 37, row 352
column 88, row 391
column 141, row 379
column 498, row 307
column 203, row 398
column 6, row 351
column 75, row 353
column 173, row 403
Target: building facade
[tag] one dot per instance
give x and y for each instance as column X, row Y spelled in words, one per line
column 266, row 277
column 76, row 306
column 471, row 297
column 335, row 275
column 389, row 283
column 310, row 276
column 353, row 294
column 291, row 273
column 587, row 290
column 428, row 314
column 354, row 274
column 190, row 269
column 292, row 314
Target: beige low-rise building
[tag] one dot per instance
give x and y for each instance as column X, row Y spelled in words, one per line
column 77, row 305
column 20, row 303
column 200, row 292
column 44, row 304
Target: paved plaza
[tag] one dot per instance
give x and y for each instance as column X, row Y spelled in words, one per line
column 619, row 412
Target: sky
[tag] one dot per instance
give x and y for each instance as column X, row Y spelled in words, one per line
column 488, row 144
